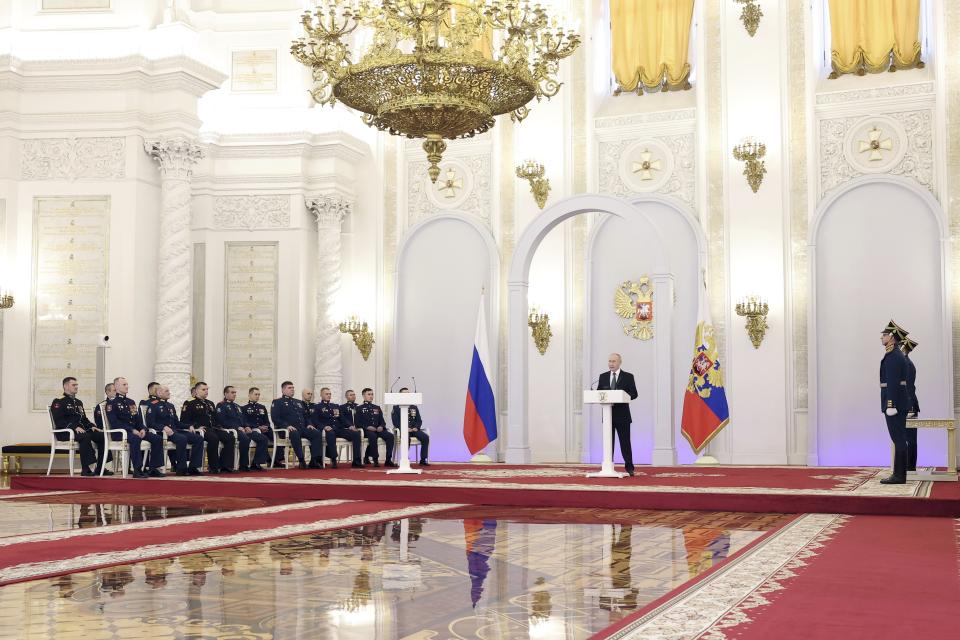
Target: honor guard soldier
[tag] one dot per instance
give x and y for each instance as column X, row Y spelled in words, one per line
column 230, row 416
column 68, row 413
column 257, row 418
column 144, row 405
column 894, row 399
column 162, row 417
column 369, row 418
column 907, row 346
column 201, row 414
column 122, row 412
column 287, row 413
column 109, row 391
column 414, row 428
column 328, row 419
column 313, row 433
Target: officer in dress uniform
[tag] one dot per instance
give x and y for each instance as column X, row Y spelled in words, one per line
column 414, row 427
column 144, row 405
column 68, row 413
column 230, row 416
column 907, row 345
column 257, row 419
column 328, row 419
column 894, row 399
column 288, row 413
column 122, row 412
column 162, row 416
column 312, row 432
column 109, row 391
column 201, row 414
column 369, row 418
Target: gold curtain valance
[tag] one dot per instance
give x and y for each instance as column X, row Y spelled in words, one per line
column 874, row 35
column 650, row 39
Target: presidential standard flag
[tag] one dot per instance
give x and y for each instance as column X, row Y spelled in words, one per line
column 480, row 414
column 705, row 411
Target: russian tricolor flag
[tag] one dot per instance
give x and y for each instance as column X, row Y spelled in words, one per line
column 480, row 414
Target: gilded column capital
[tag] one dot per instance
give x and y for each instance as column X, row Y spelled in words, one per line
column 330, row 210
column 175, row 156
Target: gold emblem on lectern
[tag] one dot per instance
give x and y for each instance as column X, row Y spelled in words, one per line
column 603, row 396
column 633, row 301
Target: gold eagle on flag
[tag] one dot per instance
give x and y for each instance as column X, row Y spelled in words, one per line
column 633, row 301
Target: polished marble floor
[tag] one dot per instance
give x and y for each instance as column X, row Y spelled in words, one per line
column 472, row 573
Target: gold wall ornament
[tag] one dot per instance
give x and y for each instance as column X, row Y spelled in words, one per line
column 750, row 152
column 540, row 330
column 646, row 166
column 750, row 15
column 875, row 144
column 362, row 336
column 450, row 184
column 633, row 301
column 754, row 309
column 6, row 300
column 434, row 69
column 533, row 173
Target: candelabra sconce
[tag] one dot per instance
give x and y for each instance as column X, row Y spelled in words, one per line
column 6, row 300
column 750, row 16
column 533, row 172
column 754, row 309
column 750, row 152
column 540, row 331
column 362, row 336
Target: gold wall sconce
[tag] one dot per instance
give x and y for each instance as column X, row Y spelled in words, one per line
column 6, row 300
column 540, row 331
column 362, row 336
column 533, row 172
column 754, row 309
column 750, row 16
column 750, row 152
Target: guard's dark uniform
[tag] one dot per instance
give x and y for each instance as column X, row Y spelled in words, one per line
column 328, row 419
column 415, row 428
column 369, row 416
column 201, row 414
column 68, row 413
column 231, row 416
column 123, row 413
column 256, row 417
column 893, row 395
column 313, row 433
column 914, row 411
column 160, row 414
column 289, row 413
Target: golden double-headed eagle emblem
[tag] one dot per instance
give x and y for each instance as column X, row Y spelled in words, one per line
column 633, row 301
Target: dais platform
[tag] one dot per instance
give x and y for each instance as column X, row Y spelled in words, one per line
column 847, row 490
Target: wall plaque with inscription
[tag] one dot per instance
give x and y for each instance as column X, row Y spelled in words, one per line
column 254, row 70
column 69, row 309
column 250, row 335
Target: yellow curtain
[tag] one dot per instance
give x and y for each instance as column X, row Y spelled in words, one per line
column 874, row 35
column 650, row 39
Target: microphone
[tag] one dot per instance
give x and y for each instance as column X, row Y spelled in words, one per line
column 394, row 384
column 594, row 384
column 414, row 383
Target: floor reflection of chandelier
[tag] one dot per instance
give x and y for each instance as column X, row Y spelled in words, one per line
column 433, row 69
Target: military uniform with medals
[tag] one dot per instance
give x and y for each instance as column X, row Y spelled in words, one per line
column 895, row 401
column 369, row 418
column 201, row 413
column 68, row 413
column 123, row 413
column 415, row 429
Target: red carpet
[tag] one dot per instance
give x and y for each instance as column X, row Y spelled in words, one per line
column 32, row 556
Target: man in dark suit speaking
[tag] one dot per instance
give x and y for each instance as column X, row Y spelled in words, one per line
column 616, row 378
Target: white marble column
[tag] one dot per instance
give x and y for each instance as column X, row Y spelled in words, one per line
column 330, row 212
column 174, row 341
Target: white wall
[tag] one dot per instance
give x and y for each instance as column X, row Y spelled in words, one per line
column 877, row 258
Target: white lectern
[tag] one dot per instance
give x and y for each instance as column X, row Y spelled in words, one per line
column 403, row 400
column 606, row 400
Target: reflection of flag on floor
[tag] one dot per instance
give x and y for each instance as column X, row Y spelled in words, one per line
column 705, row 411
column 480, row 414
column 705, row 547
column 480, row 537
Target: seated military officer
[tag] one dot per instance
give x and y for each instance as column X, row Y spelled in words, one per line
column 414, row 428
column 144, row 405
column 328, row 419
column 109, row 391
column 122, row 413
column 230, row 416
column 201, row 414
column 313, row 433
column 369, row 418
column 68, row 413
column 256, row 418
column 162, row 416
column 289, row 413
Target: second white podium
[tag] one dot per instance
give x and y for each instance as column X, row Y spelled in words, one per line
column 403, row 400
column 606, row 400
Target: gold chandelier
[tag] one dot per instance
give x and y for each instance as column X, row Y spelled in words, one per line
column 433, row 69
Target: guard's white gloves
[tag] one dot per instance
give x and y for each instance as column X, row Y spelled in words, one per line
column 891, row 411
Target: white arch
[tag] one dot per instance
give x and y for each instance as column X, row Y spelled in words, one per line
column 823, row 208
column 518, row 448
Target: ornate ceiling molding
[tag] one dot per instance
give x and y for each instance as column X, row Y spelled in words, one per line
column 73, row 159
column 251, row 212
